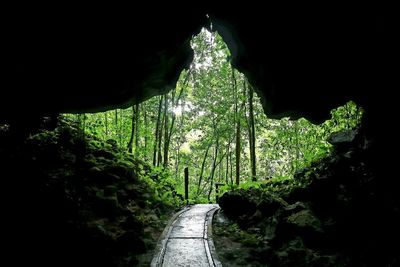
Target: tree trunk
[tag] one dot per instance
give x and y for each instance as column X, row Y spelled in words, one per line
column 168, row 134
column 166, row 145
column 160, row 134
column 178, row 147
column 106, row 123
column 202, row 169
column 252, row 137
column 116, row 124
column 177, row 154
column 220, row 172
column 156, row 133
column 237, row 152
column 213, row 167
column 130, row 143
column 231, row 167
column 146, row 137
column 237, row 121
column 121, row 124
column 227, row 163
column 137, row 114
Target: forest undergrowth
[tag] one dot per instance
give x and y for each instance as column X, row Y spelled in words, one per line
column 92, row 203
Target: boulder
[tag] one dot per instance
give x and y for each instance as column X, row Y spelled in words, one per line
column 238, row 203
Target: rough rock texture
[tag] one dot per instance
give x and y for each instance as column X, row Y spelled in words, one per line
column 86, row 58
column 302, row 62
column 302, row 59
column 331, row 214
column 74, row 201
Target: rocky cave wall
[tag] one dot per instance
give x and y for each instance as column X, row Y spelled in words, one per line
column 300, row 61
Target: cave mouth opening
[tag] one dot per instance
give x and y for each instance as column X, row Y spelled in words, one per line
column 213, row 123
column 282, row 138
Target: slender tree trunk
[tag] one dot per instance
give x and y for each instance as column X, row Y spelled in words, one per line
column 106, row 123
column 227, row 163
column 177, row 161
column 121, row 125
column 220, row 160
column 213, row 167
column 231, row 167
column 168, row 134
column 146, row 137
column 220, row 172
column 160, row 134
column 137, row 114
column 237, row 121
column 179, row 145
column 116, row 124
column 130, row 143
column 82, row 124
column 250, row 142
column 237, row 153
column 297, row 145
column 166, row 129
column 202, row 169
column 156, row 133
column 252, row 137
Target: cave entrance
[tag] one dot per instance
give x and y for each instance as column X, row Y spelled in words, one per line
column 213, row 124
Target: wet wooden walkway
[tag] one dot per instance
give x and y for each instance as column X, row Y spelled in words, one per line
column 187, row 240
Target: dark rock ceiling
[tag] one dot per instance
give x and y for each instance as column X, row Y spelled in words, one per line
column 302, row 62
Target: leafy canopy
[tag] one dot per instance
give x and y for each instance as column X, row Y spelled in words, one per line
column 197, row 124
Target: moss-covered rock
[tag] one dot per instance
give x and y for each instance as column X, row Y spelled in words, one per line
column 305, row 219
column 238, row 203
column 87, row 201
column 330, row 214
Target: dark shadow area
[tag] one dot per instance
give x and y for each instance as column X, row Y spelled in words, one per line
column 301, row 62
column 331, row 214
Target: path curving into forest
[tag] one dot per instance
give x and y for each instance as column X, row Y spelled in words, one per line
column 186, row 240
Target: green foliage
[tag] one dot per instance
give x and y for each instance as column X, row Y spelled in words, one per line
column 162, row 186
column 244, row 237
column 200, row 116
column 245, row 185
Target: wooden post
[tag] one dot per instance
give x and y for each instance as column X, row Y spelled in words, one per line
column 187, row 184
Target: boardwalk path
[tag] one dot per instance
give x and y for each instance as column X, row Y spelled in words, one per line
column 186, row 240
